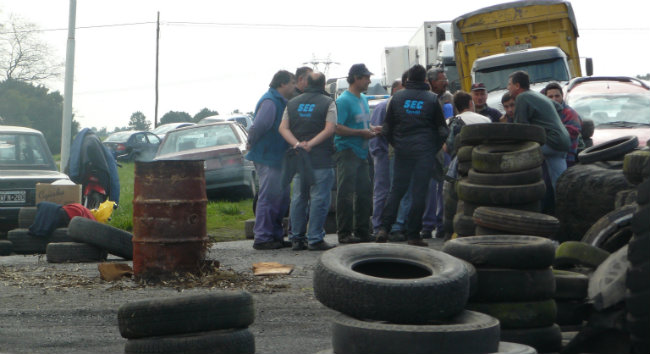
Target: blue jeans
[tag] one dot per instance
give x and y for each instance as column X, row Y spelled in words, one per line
column 554, row 165
column 319, row 203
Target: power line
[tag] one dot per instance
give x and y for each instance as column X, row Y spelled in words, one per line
column 80, row 27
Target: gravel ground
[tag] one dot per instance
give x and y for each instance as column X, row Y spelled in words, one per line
column 67, row 308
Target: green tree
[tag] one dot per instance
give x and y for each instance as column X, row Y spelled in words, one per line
column 644, row 77
column 202, row 114
column 139, row 122
column 173, row 117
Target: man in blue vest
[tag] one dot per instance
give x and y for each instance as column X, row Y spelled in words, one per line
column 308, row 126
column 267, row 149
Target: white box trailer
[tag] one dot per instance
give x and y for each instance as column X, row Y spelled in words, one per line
column 423, row 46
column 394, row 62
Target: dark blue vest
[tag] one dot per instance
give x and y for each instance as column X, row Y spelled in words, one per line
column 307, row 114
column 270, row 149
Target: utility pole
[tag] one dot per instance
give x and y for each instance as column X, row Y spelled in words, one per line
column 66, row 126
column 155, row 114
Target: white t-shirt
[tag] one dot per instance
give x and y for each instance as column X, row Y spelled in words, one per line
column 470, row 118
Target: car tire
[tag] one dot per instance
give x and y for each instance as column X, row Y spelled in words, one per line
column 613, row 149
column 6, row 247
column 601, row 234
column 507, row 158
column 505, row 285
column 26, row 216
column 512, row 178
column 24, row 243
column 187, row 314
column 503, row 251
column 516, row 221
column 463, row 225
column 464, row 153
column 520, row 314
column 633, row 165
column 109, row 238
column 497, row 133
column 349, row 280
column 229, row 341
column 543, row 339
column 73, row 252
column 467, row 332
column 570, row 285
column 572, row 253
column 500, row 195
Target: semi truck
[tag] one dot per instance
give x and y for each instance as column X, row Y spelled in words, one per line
column 537, row 36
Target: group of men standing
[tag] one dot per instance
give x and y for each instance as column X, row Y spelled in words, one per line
column 300, row 134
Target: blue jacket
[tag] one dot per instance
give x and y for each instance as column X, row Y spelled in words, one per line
column 270, row 148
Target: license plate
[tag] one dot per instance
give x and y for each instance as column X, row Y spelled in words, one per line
column 13, row 196
column 516, row 47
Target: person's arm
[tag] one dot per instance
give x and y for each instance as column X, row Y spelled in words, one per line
column 521, row 110
column 263, row 121
column 343, row 130
column 330, row 128
column 285, row 132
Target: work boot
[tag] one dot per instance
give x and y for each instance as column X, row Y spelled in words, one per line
column 298, row 245
column 270, row 245
column 440, row 232
column 381, row 236
column 285, row 243
column 349, row 238
column 320, row 246
column 425, row 233
column 418, row 242
column 366, row 238
column 396, row 236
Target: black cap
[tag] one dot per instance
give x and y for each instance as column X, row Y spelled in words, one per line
column 478, row 86
column 359, row 70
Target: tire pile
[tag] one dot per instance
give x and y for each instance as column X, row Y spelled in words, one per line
column 208, row 323
column 505, row 170
column 515, row 284
column 399, row 299
column 499, row 221
column 105, row 238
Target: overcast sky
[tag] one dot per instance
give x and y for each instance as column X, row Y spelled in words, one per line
column 222, row 54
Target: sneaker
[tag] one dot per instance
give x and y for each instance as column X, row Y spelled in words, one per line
column 298, row 245
column 425, row 233
column 418, row 242
column 349, row 239
column 396, row 236
column 270, row 245
column 321, row 246
column 381, row 236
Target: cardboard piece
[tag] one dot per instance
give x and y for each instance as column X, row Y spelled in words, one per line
column 114, row 271
column 269, row 268
column 59, row 194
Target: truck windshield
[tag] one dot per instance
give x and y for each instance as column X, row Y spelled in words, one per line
column 540, row 71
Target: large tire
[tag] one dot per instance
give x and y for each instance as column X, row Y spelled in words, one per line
column 570, row 285
column 507, row 158
column 496, row 133
column 388, row 282
column 544, row 339
column 584, row 193
column 572, row 253
column 467, row 332
column 6, row 247
column 633, row 165
column 73, row 252
column 512, row 178
column 503, row 251
column 24, row 243
column 188, row 314
column 613, row 149
column 500, row 284
column 464, row 153
column 572, row 312
column 463, row 225
column 516, row 221
column 607, row 283
column 26, row 216
column 602, row 233
column 228, row 341
column 500, row 195
column 113, row 240
column 522, row 314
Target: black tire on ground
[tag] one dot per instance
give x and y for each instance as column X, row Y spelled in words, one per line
column 587, row 128
column 520, row 314
column 24, row 243
column 639, row 248
column 572, row 312
column 187, row 314
column 633, row 165
column 613, row 149
column 378, row 282
column 573, row 253
column 570, row 285
column 495, row 133
column 6, row 247
column 516, row 221
column 638, row 277
column 500, row 284
column 602, row 233
column 73, row 252
column 248, row 228
column 464, row 153
column 228, row 341
column 482, row 231
column 463, row 225
column 513, row 178
column 584, row 193
column 113, row 240
column 503, row 251
column 624, row 198
column 467, row 332
column 26, row 216
column 500, row 195
column 544, row 339
column 507, row 158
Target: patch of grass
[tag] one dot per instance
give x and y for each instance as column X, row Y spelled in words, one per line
column 224, row 219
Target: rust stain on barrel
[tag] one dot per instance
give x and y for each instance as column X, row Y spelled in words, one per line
column 169, row 217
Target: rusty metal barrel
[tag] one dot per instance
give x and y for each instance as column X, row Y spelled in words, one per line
column 169, row 218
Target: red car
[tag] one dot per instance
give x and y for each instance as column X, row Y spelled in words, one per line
column 618, row 105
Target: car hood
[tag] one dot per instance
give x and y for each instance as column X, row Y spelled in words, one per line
column 602, row 135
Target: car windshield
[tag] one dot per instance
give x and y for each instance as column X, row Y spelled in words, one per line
column 613, row 109
column 199, row 138
column 497, row 78
column 24, row 151
column 119, row 137
column 164, row 129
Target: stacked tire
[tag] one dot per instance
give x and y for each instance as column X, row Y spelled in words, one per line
column 24, row 243
column 573, row 308
column 499, row 221
column 105, row 238
column 505, row 170
column 515, row 284
column 397, row 299
column 208, row 323
column 637, row 282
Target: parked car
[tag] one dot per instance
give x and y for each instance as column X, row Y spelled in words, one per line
column 25, row 160
column 133, row 145
column 244, row 119
column 619, row 106
column 222, row 146
column 162, row 130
